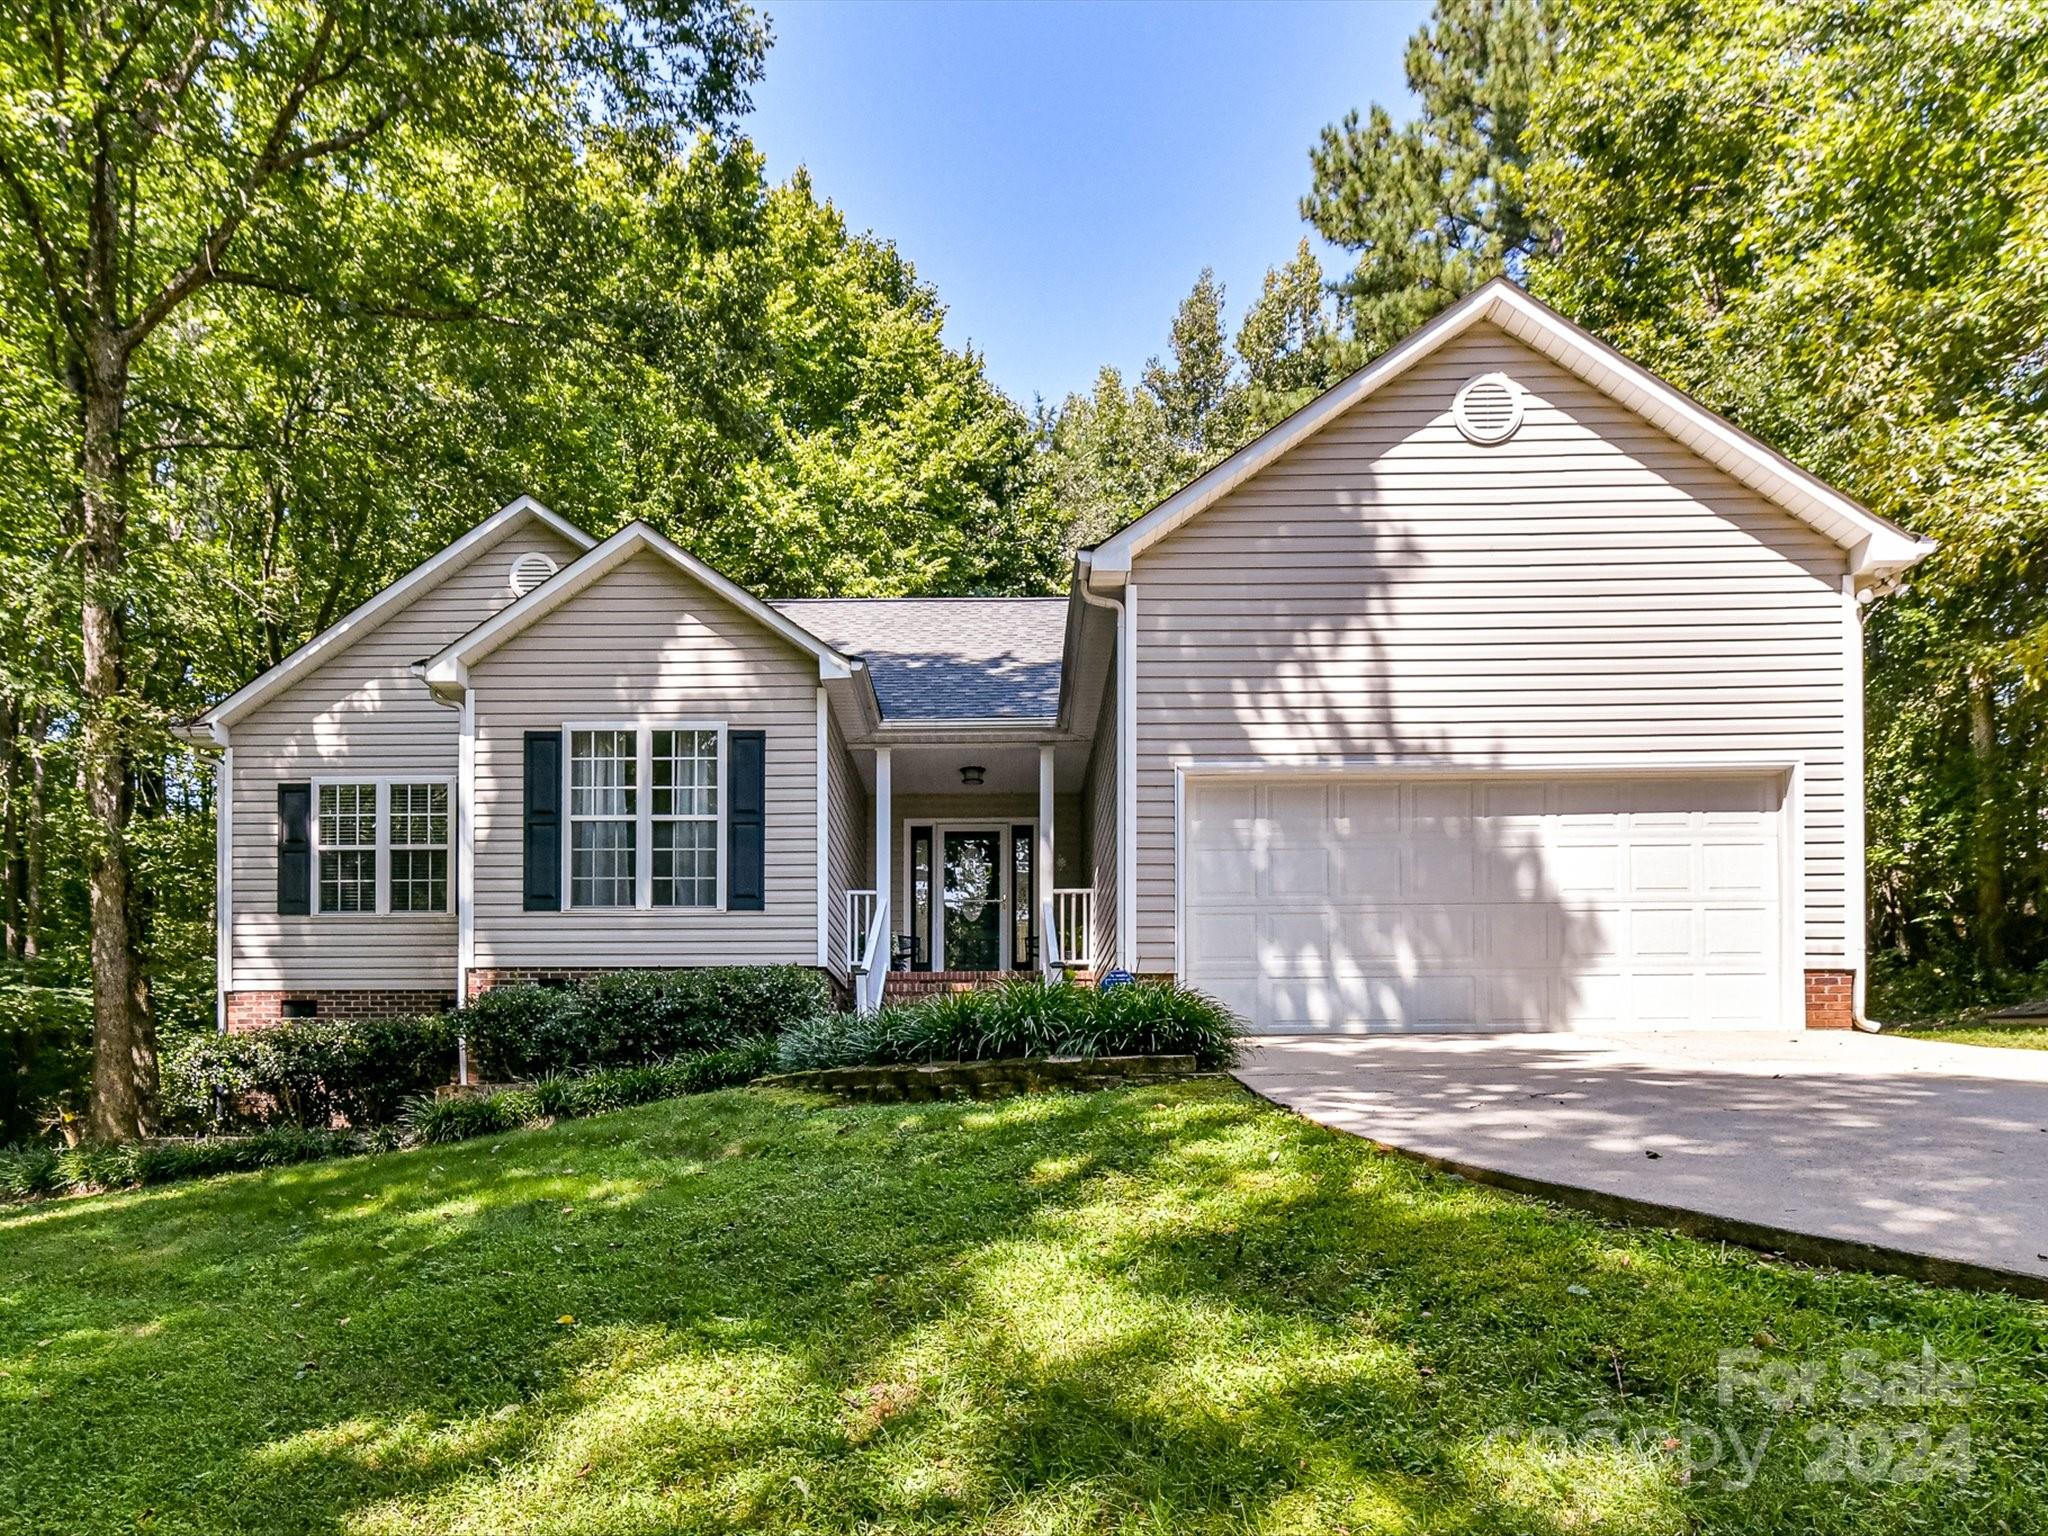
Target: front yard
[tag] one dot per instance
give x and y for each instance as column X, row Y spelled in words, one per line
column 1149, row 1310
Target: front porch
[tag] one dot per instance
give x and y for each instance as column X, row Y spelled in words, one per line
column 976, row 864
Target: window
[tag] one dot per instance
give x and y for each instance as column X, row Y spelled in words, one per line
column 684, row 818
column 383, row 845
column 418, row 822
column 646, row 814
column 347, row 841
column 603, row 817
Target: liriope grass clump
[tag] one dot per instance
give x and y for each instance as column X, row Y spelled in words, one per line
column 1029, row 1017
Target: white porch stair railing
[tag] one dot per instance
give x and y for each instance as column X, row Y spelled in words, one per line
column 860, row 912
column 1073, row 927
column 870, row 971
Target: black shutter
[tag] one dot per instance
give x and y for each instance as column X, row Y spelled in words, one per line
column 295, row 849
column 543, row 821
column 746, row 803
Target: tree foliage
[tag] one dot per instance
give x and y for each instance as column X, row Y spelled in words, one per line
column 1435, row 206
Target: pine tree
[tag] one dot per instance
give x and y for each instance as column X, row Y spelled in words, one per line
column 1437, row 206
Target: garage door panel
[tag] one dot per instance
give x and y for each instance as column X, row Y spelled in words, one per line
column 1364, row 866
column 1738, row 867
column 1222, row 873
column 1297, row 871
column 1485, row 903
column 1439, row 866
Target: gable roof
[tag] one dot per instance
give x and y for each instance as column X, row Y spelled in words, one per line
column 949, row 658
column 363, row 618
column 449, row 667
column 1876, row 546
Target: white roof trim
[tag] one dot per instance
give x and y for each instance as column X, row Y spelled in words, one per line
column 449, row 668
column 339, row 635
column 1876, row 546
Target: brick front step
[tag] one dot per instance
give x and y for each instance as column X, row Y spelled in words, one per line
column 909, row 986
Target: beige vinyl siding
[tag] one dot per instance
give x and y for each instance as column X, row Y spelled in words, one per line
column 1101, row 800
column 846, row 853
column 645, row 642
column 360, row 713
column 1392, row 592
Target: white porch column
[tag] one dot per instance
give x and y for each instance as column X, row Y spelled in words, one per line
column 1041, row 864
column 883, row 887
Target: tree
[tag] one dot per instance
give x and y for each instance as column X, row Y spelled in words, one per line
column 362, row 159
column 1290, row 341
column 1106, row 457
column 1195, row 394
column 1437, row 206
column 1832, row 225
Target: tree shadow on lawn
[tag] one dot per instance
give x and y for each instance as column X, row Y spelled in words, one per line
column 1171, row 1308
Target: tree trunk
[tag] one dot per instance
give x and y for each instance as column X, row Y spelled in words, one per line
column 1987, row 841
column 13, row 820
column 124, row 1071
column 35, row 835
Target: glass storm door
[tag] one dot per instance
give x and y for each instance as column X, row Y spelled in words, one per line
column 974, row 876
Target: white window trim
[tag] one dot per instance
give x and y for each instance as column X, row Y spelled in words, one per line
column 383, row 783
column 643, row 730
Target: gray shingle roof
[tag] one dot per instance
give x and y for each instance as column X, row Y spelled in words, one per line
column 948, row 658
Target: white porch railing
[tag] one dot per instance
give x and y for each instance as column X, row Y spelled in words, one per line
column 1073, row 927
column 870, row 978
column 860, row 912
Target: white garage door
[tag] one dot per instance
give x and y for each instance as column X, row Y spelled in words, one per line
column 1491, row 904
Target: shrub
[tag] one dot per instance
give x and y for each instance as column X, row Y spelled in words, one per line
column 562, row 1095
column 634, row 1017
column 45, row 1056
column 1026, row 1017
column 26, row 1172
column 308, row 1072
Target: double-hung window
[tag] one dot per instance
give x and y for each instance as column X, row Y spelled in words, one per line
column 348, row 847
column 685, row 818
column 645, row 815
column 381, row 845
column 418, row 840
column 604, row 783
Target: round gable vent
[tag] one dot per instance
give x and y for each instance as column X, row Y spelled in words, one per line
column 1488, row 409
column 530, row 570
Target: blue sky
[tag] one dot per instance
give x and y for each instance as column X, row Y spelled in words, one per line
column 1062, row 172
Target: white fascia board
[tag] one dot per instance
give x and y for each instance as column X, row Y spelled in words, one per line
column 449, row 668
column 332, row 640
column 1112, row 557
column 1876, row 546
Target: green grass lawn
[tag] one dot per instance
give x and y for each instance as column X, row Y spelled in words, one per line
column 1151, row 1310
column 1977, row 1029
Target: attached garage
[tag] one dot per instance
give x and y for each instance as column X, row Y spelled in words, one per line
column 1466, row 902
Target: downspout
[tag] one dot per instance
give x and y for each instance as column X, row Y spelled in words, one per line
column 1859, row 604
column 1085, row 569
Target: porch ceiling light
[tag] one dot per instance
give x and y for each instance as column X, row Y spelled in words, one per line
column 971, row 774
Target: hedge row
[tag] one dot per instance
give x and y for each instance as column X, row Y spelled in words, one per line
column 318, row 1072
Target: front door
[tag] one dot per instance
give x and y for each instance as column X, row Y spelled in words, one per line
column 973, row 869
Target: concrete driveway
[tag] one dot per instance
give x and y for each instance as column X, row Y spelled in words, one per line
column 1904, row 1155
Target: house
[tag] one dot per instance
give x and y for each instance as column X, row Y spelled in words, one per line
column 1503, row 687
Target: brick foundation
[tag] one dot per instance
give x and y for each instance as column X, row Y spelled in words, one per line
column 251, row 1011
column 1830, row 999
